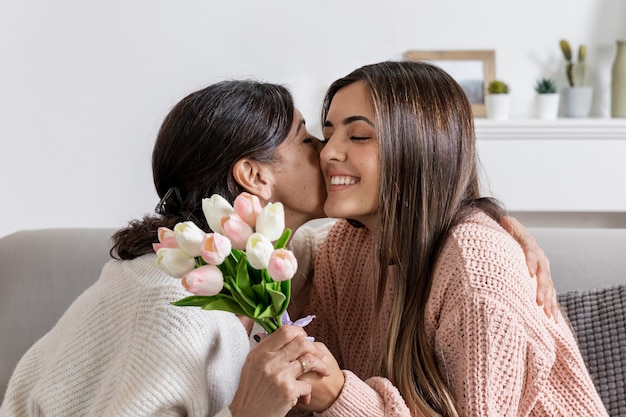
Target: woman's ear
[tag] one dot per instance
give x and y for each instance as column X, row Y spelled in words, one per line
column 255, row 177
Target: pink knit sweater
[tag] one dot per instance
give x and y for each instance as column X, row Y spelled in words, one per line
column 501, row 355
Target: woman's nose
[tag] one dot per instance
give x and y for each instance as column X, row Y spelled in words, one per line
column 332, row 151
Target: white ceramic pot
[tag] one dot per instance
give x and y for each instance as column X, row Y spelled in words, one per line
column 497, row 106
column 547, row 106
column 577, row 101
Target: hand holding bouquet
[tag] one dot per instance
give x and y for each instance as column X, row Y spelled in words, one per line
column 241, row 267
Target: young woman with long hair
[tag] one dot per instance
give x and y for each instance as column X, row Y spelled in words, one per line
column 422, row 297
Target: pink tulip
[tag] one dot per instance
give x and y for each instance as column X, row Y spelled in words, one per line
column 215, row 248
column 167, row 239
column 282, row 265
column 248, row 207
column 205, row 280
column 237, row 230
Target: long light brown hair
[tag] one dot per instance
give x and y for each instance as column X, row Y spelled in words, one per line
column 428, row 184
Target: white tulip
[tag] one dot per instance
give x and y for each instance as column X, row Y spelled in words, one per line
column 174, row 262
column 271, row 221
column 258, row 250
column 189, row 238
column 215, row 209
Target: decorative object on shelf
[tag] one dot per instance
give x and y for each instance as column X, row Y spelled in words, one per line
column 547, row 99
column 618, row 81
column 473, row 70
column 497, row 100
column 577, row 97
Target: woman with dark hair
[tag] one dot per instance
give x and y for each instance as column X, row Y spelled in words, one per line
column 422, row 297
column 122, row 349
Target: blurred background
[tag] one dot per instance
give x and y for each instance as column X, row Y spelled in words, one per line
column 85, row 85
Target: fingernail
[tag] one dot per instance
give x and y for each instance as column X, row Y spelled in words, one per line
column 257, row 338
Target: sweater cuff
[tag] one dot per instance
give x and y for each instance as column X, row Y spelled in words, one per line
column 356, row 398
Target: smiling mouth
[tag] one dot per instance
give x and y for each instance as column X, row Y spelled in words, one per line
column 342, row 180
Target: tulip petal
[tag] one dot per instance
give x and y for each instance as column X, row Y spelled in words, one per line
column 282, row 265
column 205, row 280
column 189, row 238
column 271, row 221
column 215, row 248
column 215, row 209
column 237, row 230
column 248, row 207
column 174, row 262
column 258, row 251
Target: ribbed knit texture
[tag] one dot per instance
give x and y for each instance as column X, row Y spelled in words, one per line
column 121, row 349
column 499, row 352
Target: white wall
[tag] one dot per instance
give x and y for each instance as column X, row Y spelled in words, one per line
column 84, row 85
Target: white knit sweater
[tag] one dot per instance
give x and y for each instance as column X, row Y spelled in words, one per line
column 122, row 349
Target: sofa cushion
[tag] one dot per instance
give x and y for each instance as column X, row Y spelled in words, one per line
column 41, row 273
column 598, row 318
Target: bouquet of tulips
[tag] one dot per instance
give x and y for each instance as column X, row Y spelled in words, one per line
column 241, row 267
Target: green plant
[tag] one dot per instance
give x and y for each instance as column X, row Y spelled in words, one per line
column 577, row 72
column 545, row 86
column 498, row 87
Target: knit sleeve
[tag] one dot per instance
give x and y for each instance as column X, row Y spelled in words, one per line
column 497, row 350
column 481, row 341
column 375, row 396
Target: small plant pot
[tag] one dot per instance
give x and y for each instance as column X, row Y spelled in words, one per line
column 547, row 106
column 497, row 106
column 577, row 101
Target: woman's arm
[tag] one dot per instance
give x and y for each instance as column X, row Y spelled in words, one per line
column 375, row 396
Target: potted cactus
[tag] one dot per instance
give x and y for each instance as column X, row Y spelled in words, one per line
column 578, row 95
column 497, row 100
column 547, row 99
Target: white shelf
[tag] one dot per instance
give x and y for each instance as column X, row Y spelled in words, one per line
column 554, row 166
column 562, row 128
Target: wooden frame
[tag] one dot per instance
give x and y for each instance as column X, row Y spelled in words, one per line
column 473, row 70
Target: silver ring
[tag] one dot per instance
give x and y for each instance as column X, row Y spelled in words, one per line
column 303, row 364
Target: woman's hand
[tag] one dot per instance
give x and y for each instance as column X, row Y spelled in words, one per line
column 269, row 384
column 324, row 389
column 538, row 265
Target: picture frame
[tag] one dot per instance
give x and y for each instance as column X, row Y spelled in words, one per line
column 472, row 69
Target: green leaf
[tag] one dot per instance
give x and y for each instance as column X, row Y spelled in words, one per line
column 242, row 280
column 278, row 300
column 282, row 240
column 285, row 288
column 192, row 301
column 225, row 304
column 246, row 304
column 267, row 313
column 259, row 290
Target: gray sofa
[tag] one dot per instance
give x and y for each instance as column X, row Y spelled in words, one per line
column 43, row 271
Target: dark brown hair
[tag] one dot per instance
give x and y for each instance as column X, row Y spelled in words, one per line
column 428, row 184
column 199, row 142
